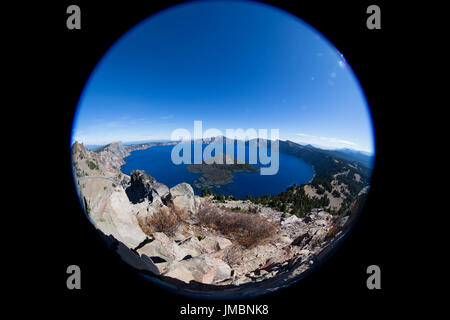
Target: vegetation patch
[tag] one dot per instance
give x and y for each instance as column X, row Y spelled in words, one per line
column 166, row 220
column 92, row 165
column 294, row 201
column 248, row 230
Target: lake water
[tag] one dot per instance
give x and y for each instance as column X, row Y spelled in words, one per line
column 157, row 162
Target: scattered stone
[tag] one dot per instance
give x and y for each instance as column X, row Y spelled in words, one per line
column 222, row 243
column 192, row 247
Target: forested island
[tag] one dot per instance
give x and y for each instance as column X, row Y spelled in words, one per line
column 219, row 170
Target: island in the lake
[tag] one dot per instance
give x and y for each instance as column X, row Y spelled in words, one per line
column 219, row 170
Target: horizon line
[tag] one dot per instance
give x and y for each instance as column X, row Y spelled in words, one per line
column 134, row 142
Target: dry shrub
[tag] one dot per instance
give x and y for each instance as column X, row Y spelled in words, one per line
column 248, row 229
column 181, row 213
column 145, row 225
column 164, row 220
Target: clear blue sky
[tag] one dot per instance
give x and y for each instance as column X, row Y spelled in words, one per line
column 231, row 65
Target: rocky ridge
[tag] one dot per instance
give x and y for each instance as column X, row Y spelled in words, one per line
column 196, row 258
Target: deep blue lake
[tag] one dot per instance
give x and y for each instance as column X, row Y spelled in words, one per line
column 157, row 162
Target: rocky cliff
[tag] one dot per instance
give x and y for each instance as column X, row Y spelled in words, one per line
column 190, row 241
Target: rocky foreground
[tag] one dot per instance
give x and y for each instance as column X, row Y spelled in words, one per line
column 193, row 255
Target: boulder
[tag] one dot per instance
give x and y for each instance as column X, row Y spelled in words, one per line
column 323, row 214
column 160, row 189
column 206, row 269
column 161, row 237
column 164, row 249
column 222, row 243
column 291, row 219
column 209, row 244
column 223, row 270
column 212, row 244
column 209, row 276
column 193, row 247
column 180, row 272
column 140, row 186
column 182, row 197
column 121, row 221
column 130, row 257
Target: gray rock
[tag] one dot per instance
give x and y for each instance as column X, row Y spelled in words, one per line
column 121, row 221
column 223, row 270
column 167, row 250
column 125, row 182
column 292, row 219
column 193, row 247
column 322, row 214
column 211, row 244
column 137, row 262
column 141, row 186
column 206, row 269
column 222, row 243
column 321, row 222
column 182, row 196
column 161, row 237
column 160, row 189
column 180, row 272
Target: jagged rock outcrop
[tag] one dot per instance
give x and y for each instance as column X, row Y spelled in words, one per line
column 141, row 186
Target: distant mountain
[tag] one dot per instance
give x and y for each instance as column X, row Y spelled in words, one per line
column 93, row 147
column 362, row 157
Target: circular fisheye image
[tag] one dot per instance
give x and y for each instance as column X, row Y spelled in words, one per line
column 222, row 148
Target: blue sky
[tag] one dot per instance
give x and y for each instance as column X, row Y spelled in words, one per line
column 231, row 65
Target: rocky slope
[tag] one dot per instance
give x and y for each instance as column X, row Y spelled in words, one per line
column 196, row 257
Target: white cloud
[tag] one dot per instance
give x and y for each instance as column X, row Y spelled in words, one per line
column 325, row 141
